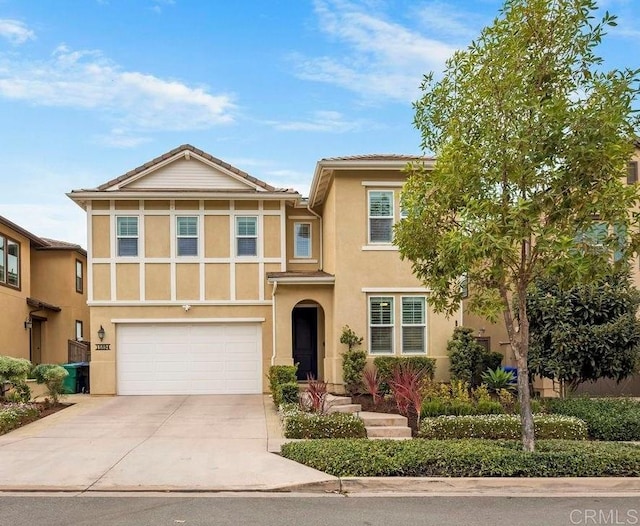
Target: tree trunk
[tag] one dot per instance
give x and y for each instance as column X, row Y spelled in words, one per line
column 519, row 337
column 524, row 396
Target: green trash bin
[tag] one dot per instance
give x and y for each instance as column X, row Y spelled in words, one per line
column 70, row 383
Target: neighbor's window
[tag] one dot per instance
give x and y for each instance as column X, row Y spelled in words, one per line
column 380, row 216
column 187, row 236
column 246, row 236
column 9, row 262
column 413, row 325
column 302, row 240
column 79, row 331
column 79, row 276
column 127, row 233
column 632, row 172
column 381, row 325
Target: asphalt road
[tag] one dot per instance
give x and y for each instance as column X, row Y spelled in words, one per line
column 315, row 510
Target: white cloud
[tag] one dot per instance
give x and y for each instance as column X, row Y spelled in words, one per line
column 445, row 19
column 119, row 138
column 322, row 121
column 138, row 101
column 15, row 31
column 386, row 59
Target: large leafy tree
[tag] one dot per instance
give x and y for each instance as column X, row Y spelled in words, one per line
column 586, row 332
column 531, row 142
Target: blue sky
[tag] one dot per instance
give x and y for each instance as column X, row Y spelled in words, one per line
column 91, row 89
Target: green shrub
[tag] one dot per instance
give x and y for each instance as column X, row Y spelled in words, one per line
column 289, row 393
column 502, row 427
column 353, row 363
column 20, row 393
column 278, row 375
column 13, row 373
column 314, row 425
column 489, row 407
column 438, row 407
column 498, row 378
column 465, row 458
column 14, row 415
column 53, row 377
column 606, row 419
column 469, row 359
column 386, row 364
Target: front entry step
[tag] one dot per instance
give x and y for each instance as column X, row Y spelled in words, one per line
column 395, row 432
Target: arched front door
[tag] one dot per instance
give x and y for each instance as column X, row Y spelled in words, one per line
column 304, row 322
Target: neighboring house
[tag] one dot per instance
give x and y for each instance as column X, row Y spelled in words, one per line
column 494, row 335
column 201, row 276
column 43, row 296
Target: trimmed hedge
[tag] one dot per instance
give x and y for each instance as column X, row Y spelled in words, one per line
column 502, row 427
column 386, row 364
column 278, row 376
column 606, row 419
column 438, row 407
column 465, row 458
column 314, row 425
column 14, row 415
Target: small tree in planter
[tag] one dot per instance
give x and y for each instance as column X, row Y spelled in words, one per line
column 13, row 375
column 53, row 377
column 353, row 361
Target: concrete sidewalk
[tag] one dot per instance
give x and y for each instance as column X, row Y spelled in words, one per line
column 150, row 443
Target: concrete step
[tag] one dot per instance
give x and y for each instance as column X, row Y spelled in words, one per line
column 390, row 438
column 388, row 432
column 333, row 400
column 371, row 419
column 348, row 408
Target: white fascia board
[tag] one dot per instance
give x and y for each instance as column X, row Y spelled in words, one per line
column 177, row 194
column 302, row 281
column 187, row 320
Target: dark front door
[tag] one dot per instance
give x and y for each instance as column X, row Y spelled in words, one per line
column 305, row 337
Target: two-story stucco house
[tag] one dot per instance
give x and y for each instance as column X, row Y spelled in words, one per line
column 43, row 295
column 202, row 276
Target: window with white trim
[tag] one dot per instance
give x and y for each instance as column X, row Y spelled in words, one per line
column 79, row 330
column 127, row 236
column 187, row 236
column 9, row 262
column 302, row 240
column 413, row 325
column 246, row 236
column 380, row 216
column 381, row 325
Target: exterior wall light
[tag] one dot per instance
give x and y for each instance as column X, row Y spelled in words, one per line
column 28, row 324
column 101, row 333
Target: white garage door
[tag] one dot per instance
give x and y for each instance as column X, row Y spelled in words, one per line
column 189, row 359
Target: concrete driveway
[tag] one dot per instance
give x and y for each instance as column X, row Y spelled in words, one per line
column 207, row 443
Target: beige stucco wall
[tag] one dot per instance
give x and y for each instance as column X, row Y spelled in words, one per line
column 103, row 363
column 53, row 281
column 359, row 267
column 49, row 276
column 14, row 338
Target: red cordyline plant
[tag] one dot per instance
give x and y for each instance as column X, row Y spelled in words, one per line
column 406, row 387
column 315, row 394
column 372, row 383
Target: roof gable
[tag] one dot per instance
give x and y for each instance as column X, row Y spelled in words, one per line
column 187, row 168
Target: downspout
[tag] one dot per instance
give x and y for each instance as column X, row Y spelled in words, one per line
column 321, row 243
column 273, row 317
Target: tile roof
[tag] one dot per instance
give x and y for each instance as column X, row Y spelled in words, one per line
column 201, row 153
column 56, row 243
column 299, row 274
column 41, row 243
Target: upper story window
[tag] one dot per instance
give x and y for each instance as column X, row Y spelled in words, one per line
column 79, row 330
column 413, row 325
column 381, row 325
column 127, row 234
column 9, row 262
column 632, row 172
column 187, row 236
column 380, row 216
column 79, row 276
column 302, row 240
column 246, row 236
